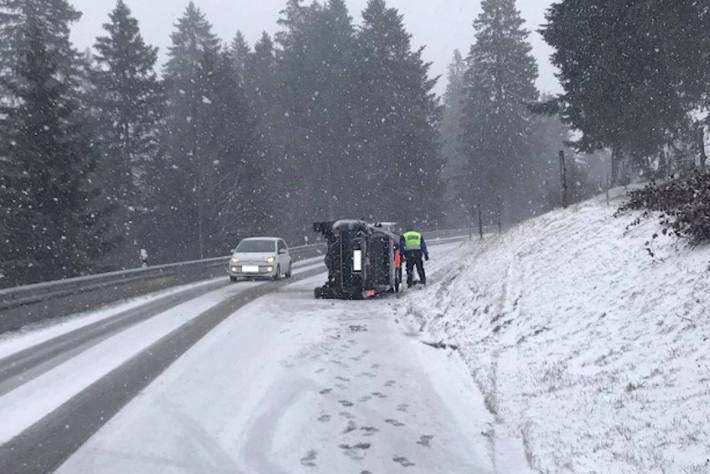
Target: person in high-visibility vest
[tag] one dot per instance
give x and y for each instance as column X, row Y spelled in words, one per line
column 413, row 247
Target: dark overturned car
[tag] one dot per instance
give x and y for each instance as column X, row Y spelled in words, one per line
column 363, row 260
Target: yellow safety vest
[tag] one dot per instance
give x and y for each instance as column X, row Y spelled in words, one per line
column 412, row 240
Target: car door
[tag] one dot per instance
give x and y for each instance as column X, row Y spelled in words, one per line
column 284, row 257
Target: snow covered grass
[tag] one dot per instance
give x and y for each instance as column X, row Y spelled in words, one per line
column 588, row 343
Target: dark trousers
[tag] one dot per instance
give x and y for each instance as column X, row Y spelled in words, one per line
column 414, row 258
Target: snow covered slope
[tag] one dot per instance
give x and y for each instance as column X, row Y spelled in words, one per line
column 586, row 346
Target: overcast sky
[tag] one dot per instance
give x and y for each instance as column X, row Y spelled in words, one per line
column 440, row 25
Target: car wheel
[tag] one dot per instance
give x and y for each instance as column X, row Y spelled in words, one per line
column 289, row 273
column 233, row 279
column 278, row 273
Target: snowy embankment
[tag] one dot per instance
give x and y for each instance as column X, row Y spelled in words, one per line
column 586, row 345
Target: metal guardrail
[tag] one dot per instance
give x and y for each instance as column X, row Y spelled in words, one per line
column 32, row 303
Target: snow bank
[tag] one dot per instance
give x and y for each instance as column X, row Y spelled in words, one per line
column 588, row 344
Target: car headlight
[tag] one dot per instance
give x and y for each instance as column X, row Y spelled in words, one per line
column 235, row 260
column 270, row 260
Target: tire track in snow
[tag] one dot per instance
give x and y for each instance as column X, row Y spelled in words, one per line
column 48, row 443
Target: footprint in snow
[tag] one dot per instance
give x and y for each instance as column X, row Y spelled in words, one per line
column 379, row 395
column 403, row 408
column 325, row 391
column 324, row 418
column 403, row 461
column 425, row 440
column 309, row 459
column 350, row 428
column 369, row 430
column 339, row 363
column 390, row 383
column 356, row 446
column 346, row 415
column 342, row 379
column 346, row 403
column 367, row 374
column 364, row 399
column 394, row 422
column 355, row 452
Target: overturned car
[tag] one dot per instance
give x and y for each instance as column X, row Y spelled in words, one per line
column 363, row 260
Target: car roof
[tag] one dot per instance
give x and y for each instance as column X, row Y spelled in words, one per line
column 263, row 238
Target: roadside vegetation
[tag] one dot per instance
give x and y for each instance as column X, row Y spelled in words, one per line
column 683, row 204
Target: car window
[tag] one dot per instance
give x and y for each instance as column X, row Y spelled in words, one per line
column 256, row 246
column 282, row 245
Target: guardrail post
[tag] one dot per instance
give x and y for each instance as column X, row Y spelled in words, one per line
column 480, row 223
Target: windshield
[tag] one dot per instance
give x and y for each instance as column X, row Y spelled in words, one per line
column 256, row 246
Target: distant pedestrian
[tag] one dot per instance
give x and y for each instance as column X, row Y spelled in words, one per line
column 144, row 258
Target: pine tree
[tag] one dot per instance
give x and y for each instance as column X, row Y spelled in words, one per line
column 397, row 124
column 55, row 16
column 207, row 148
column 633, row 73
column 263, row 91
column 47, row 228
column 188, row 169
column 239, row 52
column 242, row 203
column 128, row 99
column 500, row 86
column 316, row 46
column 335, row 104
column 454, row 163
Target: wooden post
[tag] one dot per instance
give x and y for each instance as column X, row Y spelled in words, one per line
column 500, row 226
column 480, row 223
column 701, row 146
column 563, row 175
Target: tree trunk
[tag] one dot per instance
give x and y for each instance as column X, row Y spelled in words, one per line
column 563, row 175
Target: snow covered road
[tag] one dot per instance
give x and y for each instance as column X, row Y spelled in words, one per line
column 320, row 387
column 56, row 387
column 283, row 384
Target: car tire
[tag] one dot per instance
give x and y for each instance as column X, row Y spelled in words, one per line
column 278, row 273
column 233, row 279
column 289, row 273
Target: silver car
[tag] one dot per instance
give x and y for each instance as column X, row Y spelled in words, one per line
column 260, row 257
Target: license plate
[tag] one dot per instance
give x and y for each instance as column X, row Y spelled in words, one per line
column 250, row 269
